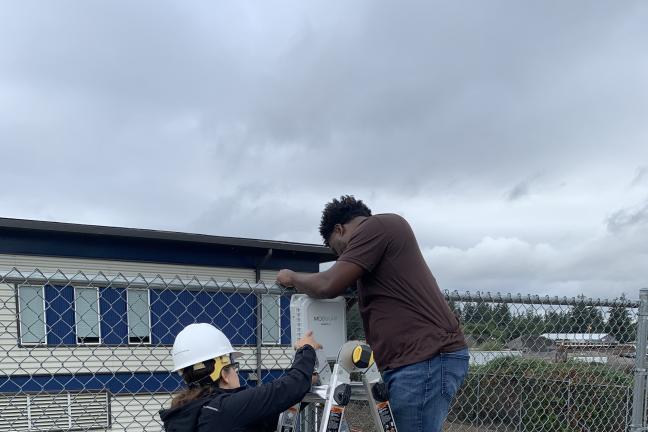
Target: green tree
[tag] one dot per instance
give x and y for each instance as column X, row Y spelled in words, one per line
column 557, row 322
column 469, row 313
column 596, row 322
column 586, row 319
column 501, row 315
column 530, row 323
column 455, row 307
column 483, row 313
column 619, row 324
column 578, row 318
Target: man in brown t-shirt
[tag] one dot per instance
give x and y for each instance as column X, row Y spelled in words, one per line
column 416, row 338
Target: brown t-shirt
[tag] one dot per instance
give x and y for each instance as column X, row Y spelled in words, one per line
column 406, row 317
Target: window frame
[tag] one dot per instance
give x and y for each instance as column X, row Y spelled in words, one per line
column 76, row 321
column 128, row 325
column 21, row 342
column 265, row 334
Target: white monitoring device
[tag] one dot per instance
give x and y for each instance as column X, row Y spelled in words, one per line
column 325, row 317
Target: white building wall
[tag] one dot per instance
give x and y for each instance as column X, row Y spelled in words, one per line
column 269, row 276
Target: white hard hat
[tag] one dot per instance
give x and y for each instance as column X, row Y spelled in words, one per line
column 200, row 342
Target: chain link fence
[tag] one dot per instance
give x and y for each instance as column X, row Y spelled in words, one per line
column 546, row 364
column 92, row 352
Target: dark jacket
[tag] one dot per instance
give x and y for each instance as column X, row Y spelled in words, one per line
column 245, row 409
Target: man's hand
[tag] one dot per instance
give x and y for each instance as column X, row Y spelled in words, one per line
column 286, row 278
column 327, row 284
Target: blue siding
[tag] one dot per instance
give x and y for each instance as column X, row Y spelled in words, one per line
column 114, row 317
column 96, row 246
column 119, row 383
column 59, row 315
column 171, row 311
column 271, row 375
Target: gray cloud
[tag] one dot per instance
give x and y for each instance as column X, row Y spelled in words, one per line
column 603, row 266
column 244, row 119
column 628, row 218
column 640, row 177
column 520, row 190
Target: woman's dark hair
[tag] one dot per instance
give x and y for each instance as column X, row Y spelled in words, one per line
column 340, row 212
column 191, row 394
column 200, row 384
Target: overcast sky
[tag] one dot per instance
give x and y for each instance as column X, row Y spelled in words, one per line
column 512, row 135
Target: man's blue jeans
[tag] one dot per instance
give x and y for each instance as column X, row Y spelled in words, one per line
column 420, row 394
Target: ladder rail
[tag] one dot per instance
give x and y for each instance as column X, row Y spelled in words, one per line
column 334, row 393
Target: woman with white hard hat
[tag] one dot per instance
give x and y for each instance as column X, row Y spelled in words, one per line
column 215, row 400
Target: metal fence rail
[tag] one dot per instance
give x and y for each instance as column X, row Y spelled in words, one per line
column 92, row 352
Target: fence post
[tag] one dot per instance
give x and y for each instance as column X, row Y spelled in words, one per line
column 259, row 338
column 478, row 408
column 520, row 393
column 639, row 391
column 569, row 399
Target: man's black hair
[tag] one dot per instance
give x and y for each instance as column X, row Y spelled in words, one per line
column 340, row 212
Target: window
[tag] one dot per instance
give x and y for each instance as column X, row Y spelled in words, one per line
column 270, row 319
column 31, row 310
column 86, row 307
column 139, row 316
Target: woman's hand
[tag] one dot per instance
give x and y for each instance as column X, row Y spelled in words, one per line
column 308, row 339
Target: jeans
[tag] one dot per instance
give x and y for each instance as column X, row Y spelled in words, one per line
column 420, row 394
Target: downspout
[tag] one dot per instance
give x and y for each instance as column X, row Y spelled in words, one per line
column 259, row 311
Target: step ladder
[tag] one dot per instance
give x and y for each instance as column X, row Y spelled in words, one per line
column 335, row 390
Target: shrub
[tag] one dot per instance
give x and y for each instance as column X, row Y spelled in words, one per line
column 536, row 395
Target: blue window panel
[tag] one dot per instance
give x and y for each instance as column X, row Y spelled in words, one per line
column 244, row 379
column 169, row 314
column 173, row 310
column 271, row 375
column 114, row 327
column 59, row 315
column 285, row 320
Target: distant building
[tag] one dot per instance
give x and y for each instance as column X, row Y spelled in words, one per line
column 531, row 343
column 576, row 344
column 589, row 339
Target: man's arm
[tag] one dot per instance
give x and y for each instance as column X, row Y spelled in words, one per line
column 327, row 284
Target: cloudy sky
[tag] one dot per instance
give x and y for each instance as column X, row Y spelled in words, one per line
column 512, row 135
